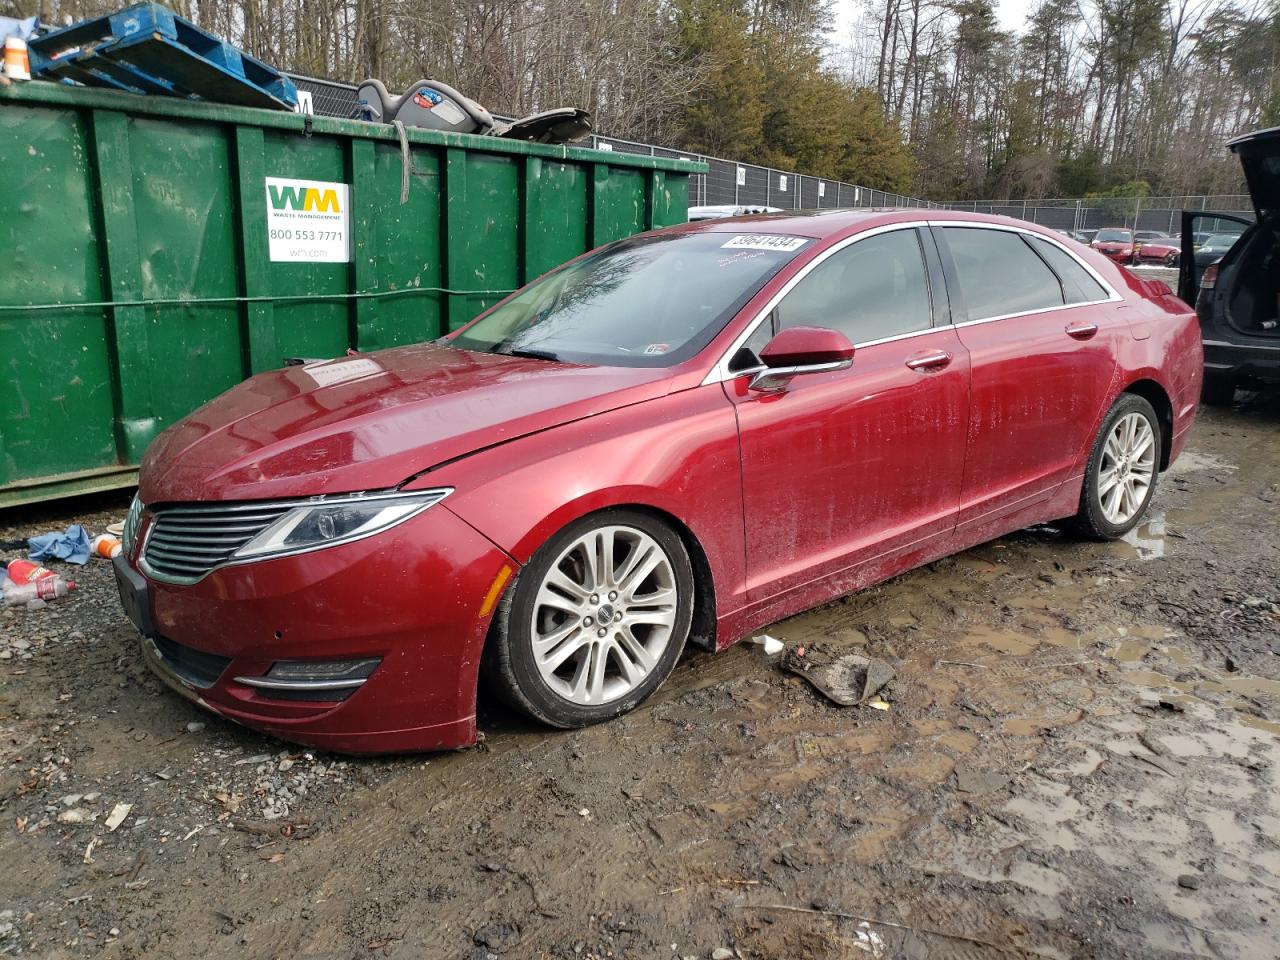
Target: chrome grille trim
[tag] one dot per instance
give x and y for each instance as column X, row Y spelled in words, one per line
column 185, row 543
column 132, row 521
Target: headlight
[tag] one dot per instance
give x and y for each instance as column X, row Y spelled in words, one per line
column 333, row 520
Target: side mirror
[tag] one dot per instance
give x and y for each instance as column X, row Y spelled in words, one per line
column 800, row 350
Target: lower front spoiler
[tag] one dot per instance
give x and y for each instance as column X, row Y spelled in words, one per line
column 441, row 736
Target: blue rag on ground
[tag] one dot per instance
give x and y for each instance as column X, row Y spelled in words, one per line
column 72, row 545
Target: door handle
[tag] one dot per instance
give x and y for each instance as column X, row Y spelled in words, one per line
column 933, row 360
column 1081, row 331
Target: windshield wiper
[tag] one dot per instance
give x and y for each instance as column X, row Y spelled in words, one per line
column 532, row 354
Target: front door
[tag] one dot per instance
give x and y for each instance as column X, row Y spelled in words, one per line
column 841, row 468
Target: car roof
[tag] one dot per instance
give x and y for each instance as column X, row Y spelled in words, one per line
column 821, row 224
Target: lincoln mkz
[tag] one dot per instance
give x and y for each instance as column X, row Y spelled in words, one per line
column 673, row 440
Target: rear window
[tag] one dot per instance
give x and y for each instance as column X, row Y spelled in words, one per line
column 1078, row 285
column 999, row 274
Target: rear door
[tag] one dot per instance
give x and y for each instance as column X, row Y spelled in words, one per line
column 1192, row 263
column 1041, row 330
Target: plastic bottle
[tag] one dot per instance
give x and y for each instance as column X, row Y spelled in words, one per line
column 18, row 594
column 28, row 571
column 17, row 62
column 105, row 545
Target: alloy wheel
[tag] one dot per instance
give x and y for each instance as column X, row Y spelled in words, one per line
column 1126, row 468
column 603, row 614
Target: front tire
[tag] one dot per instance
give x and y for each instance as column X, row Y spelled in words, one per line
column 1120, row 478
column 595, row 622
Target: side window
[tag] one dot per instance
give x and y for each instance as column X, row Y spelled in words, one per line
column 999, row 274
column 1077, row 283
column 872, row 289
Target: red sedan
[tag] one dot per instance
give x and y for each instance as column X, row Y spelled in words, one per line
column 1156, row 248
column 1114, row 244
column 675, row 439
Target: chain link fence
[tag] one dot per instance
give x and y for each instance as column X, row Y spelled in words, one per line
column 1137, row 213
column 727, row 182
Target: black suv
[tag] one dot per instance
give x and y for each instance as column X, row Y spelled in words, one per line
column 1236, row 285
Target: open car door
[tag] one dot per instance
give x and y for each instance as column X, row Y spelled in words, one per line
column 1201, row 222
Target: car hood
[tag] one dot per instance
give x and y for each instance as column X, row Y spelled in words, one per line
column 372, row 421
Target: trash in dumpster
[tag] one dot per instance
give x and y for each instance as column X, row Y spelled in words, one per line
column 17, row 64
column 434, row 105
column 22, row 29
column 846, row 680
column 72, row 545
column 149, row 49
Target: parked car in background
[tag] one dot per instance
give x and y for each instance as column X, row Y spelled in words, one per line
column 1084, row 236
column 1153, row 248
column 678, row 438
column 1115, row 244
column 721, row 211
column 1233, row 278
column 1214, row 248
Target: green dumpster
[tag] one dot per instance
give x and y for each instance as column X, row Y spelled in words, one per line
column 158, row 251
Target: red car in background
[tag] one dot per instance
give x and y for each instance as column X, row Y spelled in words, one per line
column 1115, row 244
column 675, row 439
column 1152, row 248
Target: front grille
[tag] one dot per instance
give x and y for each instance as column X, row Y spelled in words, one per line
column 194, row 666
column 186, row 542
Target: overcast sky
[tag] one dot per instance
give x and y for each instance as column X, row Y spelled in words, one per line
column 1012, row 13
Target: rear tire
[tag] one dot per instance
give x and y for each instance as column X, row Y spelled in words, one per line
column 1218, row 390
column 1120, row 478
column 595, row 622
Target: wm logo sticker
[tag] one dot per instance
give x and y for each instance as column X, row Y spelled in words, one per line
column 306, row 199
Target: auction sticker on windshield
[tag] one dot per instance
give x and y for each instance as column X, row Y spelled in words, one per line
column 765, row 241
column 308, row 221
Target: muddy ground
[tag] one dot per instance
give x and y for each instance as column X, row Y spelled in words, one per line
column 1081, row 758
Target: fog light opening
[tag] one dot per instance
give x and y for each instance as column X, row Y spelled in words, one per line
column 328, row 680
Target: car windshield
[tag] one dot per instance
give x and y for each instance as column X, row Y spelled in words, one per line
column 643, row 302
column 1114, row 236
column 1222, row 240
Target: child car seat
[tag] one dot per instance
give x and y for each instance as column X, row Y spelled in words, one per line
column 427, row 103
column 438, row 106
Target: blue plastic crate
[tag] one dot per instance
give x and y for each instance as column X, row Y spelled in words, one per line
column 149, row 49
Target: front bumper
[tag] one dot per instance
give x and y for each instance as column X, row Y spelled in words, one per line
column 417, row 597
column 1121, row 255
